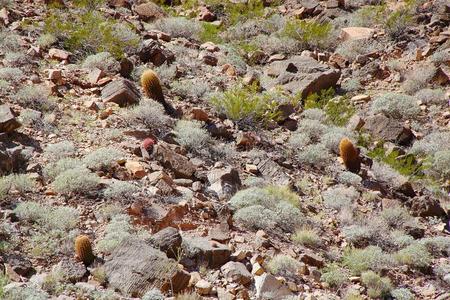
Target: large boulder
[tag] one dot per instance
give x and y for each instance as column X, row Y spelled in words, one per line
column 388, row 129
column 204, row 251
column 302, row 74
column 135, row 267
column 8, row 122
column 167, row 240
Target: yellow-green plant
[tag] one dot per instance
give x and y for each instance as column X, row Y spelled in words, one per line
column 310, row 33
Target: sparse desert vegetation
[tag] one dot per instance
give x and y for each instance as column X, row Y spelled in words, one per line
column 212, row 149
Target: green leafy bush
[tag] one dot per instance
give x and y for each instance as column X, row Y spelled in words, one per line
column 283, row 265
column 415, row 255
column 307, row 237
column 89, row 32
column 377, row 286
column 339, row 110
column 369, row 258
column 334, row 275
column 240, row 102
column 307, row 32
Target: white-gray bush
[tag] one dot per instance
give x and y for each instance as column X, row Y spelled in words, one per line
column 11, row 75
column 102, row 158
column 191, row 135
column 396, row 105
column 418, row 78
column 432, row 96
column 349, row 178
column 103, row 61
column 432, row 143
column 339, row 197
column 35, row 97
column 59, row 150
column 55, row 168
column 149, row 114
column 314, row 114
column 179, row 27
column 441, row 164
column 118, row 229
column 79, row 180
column 120, row 190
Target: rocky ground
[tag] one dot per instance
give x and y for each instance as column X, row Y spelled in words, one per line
column 245, row 195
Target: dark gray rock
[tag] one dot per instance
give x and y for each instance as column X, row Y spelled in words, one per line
column 388, row 129
column 201, row 250
column 168, row 241
column 20, row 265
column 153, row 51
column 72, row 270
column 302, row 74
column 121, row 91
column 135, row 267
column 224, row 182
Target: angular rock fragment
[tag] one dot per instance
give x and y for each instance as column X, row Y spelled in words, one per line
column 121, row 91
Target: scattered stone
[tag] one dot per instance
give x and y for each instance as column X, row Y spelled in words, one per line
column 8, row 122
column 121, row 91
column 20, row 265
column 135, row 268
column 206, row 15
column 202, row 250
column 268, row 283
column 388, row 129
column 426, row 206
column 208, row 58
column 203, row 287
column 355, row 123
column 95, row 75
column 153, row 51
column 71, row 270
column 257, row 269
column 179, row 164
column 356, row 33
column 312, row 260
column 168, row 240
column 224, row 182
column 135, row 169
column 58, row 54
column 236, row 272
column 301, row 74
column 149, row 11
column 358, row 99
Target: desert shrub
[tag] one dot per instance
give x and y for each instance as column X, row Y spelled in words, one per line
column 418, row 78
column 16, row 59
column 397, row 22
column 312, row 128
column 191, row 88
column 440, row 57
column 166, row 72
column 351, row 85
column 78, row 180
column 149, row 114
column 46, row 40
column 320, row 99
column 117, row 230
column 307, row 237
column 283, row 265
column 258, row 207
column 431, row 96
column 22, row 183
column 309, row 33
column 191, row 135
column 103, row 61
column 35, row 97
column 437, row 245
column 339, row 110
column 11, row 75
column 396, row 217
column 244, row 102
column 153, row 294
column 4, row 86
column 351, row 49
column 49, row 218
column 368, row 16
column 90, row 32
column 349, row 178
column 376, row 285
column 255, row 217
column 233, row 57
column 59, row 150
column 51, row 242
column 432, row 143
column 120, row 190
column 55, row 168
column 386, row 174
column 314, row 155
column 339, row 197
column 102, row 158
column 402, row 294
column 334, row 275
column 369, row 258
column 314, row 114
column 415, row 255
column 396, row 105
column 441, row 164
column 26, row 292
column 9, row 41
column 179, row 27
column 400, row 240
column 276, row 44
